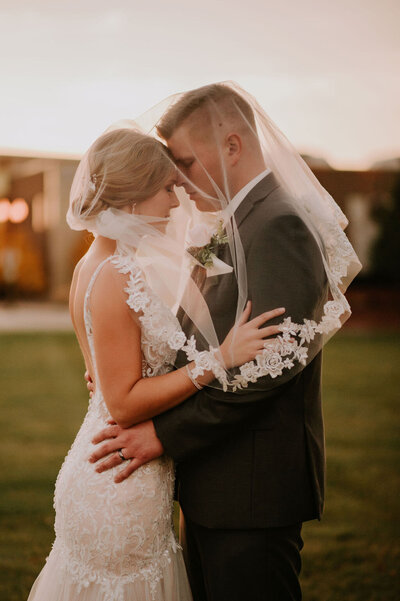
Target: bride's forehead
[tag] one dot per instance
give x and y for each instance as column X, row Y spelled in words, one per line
column 173, row 178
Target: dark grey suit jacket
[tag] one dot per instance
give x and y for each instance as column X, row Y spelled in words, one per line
column 256, row 459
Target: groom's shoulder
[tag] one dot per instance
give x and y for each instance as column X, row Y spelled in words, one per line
column 274, row 209
column 277, row 205
column 275, row 218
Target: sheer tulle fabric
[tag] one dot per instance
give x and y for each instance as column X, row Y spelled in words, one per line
column 167, row 258
column 201, row 128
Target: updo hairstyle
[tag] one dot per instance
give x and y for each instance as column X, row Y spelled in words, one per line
column 126, row 167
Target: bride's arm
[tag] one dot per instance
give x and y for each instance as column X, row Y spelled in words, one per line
column 117, row 343
column 117, row 340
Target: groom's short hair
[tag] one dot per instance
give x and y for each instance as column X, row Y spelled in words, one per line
column 228, row 103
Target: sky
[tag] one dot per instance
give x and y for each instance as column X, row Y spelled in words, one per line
column 327, row 72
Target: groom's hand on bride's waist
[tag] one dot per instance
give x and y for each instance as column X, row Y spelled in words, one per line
column 130, row 446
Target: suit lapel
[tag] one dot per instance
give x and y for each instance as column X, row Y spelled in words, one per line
column 259, row 192
column 206, row 285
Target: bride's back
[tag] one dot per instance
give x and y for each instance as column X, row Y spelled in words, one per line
column 82, row 276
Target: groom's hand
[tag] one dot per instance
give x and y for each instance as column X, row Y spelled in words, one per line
column 139, row 444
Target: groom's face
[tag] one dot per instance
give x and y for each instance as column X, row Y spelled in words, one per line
column 198, row 160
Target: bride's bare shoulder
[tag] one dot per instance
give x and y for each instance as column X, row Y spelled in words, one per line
column 109, row 286
column 107, row 295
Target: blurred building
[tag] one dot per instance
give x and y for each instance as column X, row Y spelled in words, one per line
column 38, row 251
column 359, row 193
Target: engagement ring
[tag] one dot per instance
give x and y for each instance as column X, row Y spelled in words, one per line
column 120, row 453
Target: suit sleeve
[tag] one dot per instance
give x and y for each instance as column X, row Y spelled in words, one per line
column 284, row 270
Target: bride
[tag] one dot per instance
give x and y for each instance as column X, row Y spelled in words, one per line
column 115, row 542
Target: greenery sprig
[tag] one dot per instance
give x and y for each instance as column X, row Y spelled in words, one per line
column 205, row 254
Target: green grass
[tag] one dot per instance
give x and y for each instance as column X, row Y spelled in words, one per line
column 352, row 555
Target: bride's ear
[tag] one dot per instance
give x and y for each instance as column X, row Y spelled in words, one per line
column 234, row 147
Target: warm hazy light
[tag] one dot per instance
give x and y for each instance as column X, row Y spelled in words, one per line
column 4, row 209
column 19, row 210
column 326, row 72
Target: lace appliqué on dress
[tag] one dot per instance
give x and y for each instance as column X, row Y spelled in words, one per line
column 162, row 335
column 115, row 535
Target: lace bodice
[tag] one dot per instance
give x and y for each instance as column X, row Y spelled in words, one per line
column 162, row 334
column 115, row 534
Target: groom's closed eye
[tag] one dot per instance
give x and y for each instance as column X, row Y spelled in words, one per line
column 185, row 163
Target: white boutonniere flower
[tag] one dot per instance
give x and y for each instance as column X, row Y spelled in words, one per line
column 205, row 244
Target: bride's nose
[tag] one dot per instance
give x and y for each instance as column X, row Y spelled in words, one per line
column 181, row 179
column 174, row 201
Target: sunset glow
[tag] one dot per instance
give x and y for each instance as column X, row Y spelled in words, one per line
column 326, row 72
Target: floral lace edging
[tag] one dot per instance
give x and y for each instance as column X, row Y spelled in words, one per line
column 113, row 586
column 205, row 361
column 283, row 351
column 279, row 353
column 140, row 300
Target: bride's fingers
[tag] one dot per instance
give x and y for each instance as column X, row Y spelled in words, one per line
column 111, row 461
column 246, row 314
column 110, row 432
column 264, row 317
column 105, row 449
column 102, row 450
column 269, row 331
column 132, row 465
column 262, row 345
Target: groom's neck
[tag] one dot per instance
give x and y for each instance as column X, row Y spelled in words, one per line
column 247, row 172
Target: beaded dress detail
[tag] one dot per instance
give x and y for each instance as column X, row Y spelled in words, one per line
column 115, row 542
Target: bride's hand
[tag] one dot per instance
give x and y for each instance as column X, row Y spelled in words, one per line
column 89, row 383
column 245, row 340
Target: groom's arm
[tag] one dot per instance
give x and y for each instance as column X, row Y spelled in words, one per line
column 285, row 269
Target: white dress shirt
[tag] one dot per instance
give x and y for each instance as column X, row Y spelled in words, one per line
column 241, row 195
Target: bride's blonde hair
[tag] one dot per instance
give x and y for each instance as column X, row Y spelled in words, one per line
column 126, row 167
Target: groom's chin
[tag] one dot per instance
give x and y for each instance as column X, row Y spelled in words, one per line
column 204, row 204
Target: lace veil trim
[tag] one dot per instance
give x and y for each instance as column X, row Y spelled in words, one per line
column 278, row 354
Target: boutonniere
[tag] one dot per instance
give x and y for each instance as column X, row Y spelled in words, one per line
column 204, row 247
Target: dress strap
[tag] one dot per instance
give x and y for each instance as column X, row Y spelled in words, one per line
column 87, row 313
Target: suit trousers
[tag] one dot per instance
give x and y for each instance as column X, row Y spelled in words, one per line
column 261, row 564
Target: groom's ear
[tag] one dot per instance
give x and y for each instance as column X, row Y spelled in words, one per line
column 234, row 147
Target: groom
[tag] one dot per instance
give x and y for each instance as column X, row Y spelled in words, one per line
column 249, row 472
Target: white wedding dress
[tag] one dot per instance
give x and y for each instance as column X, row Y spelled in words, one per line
column 115, row 542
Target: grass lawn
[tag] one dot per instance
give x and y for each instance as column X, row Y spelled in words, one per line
column 352, row 555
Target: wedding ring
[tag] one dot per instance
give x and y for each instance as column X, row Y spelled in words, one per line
column 120, row 453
